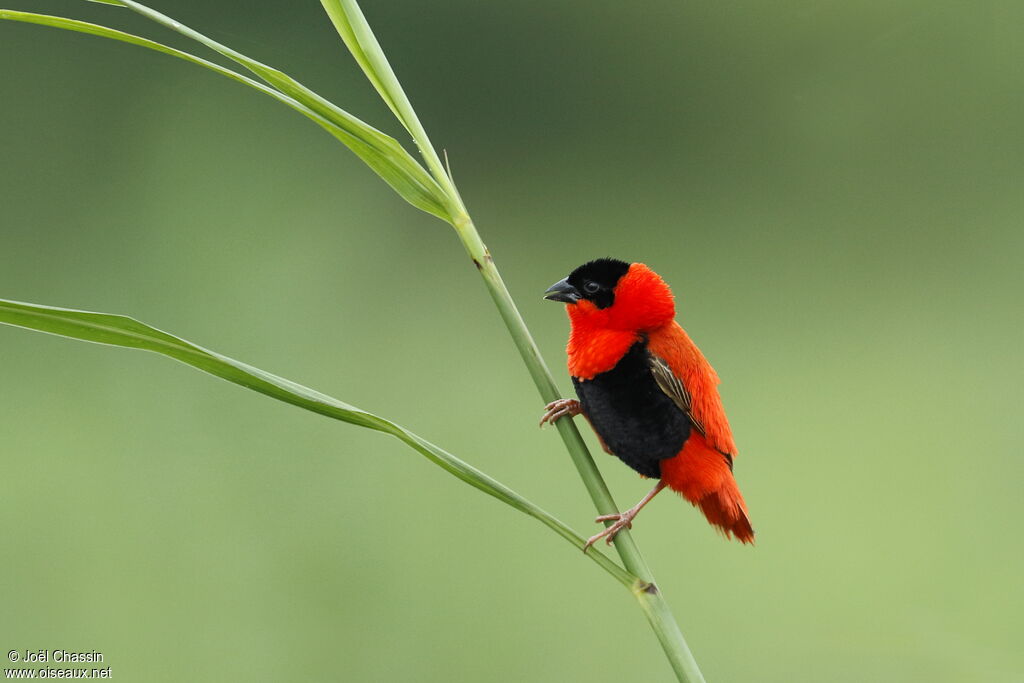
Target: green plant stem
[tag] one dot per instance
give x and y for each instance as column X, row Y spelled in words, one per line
column 653, row 603
column 353, row 28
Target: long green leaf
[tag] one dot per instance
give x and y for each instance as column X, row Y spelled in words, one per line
column 118, row 330
column 373, row 146
column 380, row 152
column 355, row 31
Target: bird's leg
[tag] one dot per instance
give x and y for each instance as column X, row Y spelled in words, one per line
column 622, row 519
column 560, row 408
column 571, row 407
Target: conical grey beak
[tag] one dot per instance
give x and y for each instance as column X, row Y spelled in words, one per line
column 563, row 291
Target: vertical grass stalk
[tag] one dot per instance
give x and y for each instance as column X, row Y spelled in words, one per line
column 653, row 603
column 353, row 28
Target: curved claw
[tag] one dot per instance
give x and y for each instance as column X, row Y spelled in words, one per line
column 614, row 518
column 560, row 408
column 623, row 520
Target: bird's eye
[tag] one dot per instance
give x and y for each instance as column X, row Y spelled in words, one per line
column 591, row 287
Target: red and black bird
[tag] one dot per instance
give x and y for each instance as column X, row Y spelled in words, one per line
column 648, row 392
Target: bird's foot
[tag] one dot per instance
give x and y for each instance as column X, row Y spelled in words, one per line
column 560, row 408
column 623, row 520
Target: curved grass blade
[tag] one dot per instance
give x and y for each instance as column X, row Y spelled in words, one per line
column 118, row 330
column 380, row 152
column 354, row 30
column 384, row 145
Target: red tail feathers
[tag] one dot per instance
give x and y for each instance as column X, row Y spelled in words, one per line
column 702, row 476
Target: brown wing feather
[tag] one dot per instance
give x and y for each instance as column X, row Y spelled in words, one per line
column 684, row 361
column 673, row 387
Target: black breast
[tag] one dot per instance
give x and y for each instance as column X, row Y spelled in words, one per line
column 636, row 420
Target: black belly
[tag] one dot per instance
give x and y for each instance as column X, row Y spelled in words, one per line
column 636, row 420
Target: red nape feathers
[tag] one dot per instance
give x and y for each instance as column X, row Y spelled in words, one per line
column 642, row 301
column 648, row 391
column 600, row 336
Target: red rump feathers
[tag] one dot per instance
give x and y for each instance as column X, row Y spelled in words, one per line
column 702, row 476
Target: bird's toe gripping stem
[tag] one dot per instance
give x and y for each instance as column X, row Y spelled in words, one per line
column 621, row 521
column 560, row 408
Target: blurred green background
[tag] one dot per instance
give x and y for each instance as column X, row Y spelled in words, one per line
column 832, row 189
